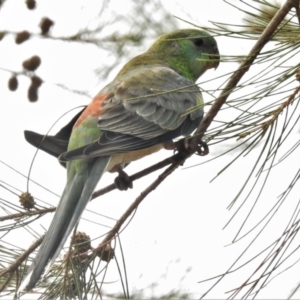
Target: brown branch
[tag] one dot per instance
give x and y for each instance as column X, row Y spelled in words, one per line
column 236, row 77
column 112, row 233
column 27, row 214
column 297, row 4
column 13, row 267
column 274, row 115
column 7, row 281
column 138, row 175
column 280, row 109
column 244, row 67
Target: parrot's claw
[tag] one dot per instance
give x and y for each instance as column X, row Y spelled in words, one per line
column 188, row 145
column 123, row 181
column 202, row 149
column 179, row 147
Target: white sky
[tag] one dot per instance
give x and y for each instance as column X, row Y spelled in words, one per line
column 179, row 226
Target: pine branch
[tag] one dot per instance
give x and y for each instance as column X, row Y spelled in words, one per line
column 244, row 67
column 115, row 230
column 14, row 266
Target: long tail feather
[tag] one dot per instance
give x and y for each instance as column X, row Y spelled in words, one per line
column 75, row 197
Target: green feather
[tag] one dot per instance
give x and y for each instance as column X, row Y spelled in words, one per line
column 178, row 51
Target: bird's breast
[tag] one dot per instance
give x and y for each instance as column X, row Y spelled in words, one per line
column 131, row 156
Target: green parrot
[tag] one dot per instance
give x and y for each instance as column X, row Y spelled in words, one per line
column 138, row 113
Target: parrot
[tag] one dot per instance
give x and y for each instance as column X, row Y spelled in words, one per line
column 152, row 100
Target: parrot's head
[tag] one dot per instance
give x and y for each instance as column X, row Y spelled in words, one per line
column 189, row 52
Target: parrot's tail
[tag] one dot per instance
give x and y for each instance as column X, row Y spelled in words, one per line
column 51, row 144
column 75, row 197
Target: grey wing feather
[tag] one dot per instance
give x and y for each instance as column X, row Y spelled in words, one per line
column 169, row 96
column 148, row 106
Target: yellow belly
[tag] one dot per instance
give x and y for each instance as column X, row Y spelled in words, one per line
column 131, row 156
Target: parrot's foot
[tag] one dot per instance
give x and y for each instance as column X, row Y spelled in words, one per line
column 202, row 149
column 123, row 181
column 189, row 145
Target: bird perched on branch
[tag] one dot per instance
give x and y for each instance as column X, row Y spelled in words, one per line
column 149, row 103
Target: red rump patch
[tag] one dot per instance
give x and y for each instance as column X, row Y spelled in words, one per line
column 93, row 109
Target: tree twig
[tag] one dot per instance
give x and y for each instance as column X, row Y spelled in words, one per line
column 27, row 214
column 114, row 231
column 297, row 4
column 138, row 175
column 244, row 67
column 13, row 267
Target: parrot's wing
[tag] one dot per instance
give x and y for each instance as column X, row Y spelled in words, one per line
column 53, row 145
column 147, row 107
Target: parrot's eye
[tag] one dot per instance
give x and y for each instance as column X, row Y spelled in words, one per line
column 198, row 42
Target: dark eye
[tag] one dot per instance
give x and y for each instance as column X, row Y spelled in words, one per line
column 198, row 42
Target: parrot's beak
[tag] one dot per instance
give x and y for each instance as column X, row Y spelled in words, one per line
column 215, row 59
